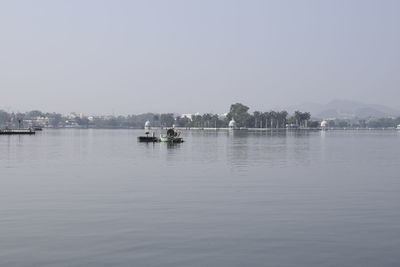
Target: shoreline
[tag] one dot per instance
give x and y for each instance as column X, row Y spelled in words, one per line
column 227, row 129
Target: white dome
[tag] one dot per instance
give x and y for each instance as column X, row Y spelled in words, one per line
column 324, row 123
column 232, row 124
column 147, row 124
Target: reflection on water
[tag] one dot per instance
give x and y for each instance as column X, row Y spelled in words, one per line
column 173, row 145
column 242, row 198
column 274, row 148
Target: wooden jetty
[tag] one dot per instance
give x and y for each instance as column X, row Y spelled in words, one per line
column 17, row 132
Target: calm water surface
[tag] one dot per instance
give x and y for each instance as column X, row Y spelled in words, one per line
column 99, row 198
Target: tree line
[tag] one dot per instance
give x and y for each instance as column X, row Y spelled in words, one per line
column 238, row 112
column 269, row 119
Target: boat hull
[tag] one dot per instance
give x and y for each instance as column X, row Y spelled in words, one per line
column 17, row 132
column 168, row 139
column 148, row 139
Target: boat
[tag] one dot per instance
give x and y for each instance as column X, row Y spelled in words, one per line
column 148, row 138
column 17, row 131
column 172, row 136
column 398, row 127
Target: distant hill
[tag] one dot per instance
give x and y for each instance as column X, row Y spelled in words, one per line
column 346, row 109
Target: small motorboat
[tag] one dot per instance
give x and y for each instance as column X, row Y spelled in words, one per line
column 172, row 136
column 398, row 127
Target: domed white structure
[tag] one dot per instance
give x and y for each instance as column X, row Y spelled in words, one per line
column 147, row 127
column 232, row 124
column 324, row 125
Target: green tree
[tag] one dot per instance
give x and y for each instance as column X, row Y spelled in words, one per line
column 239, row 113
column 314, row 124
column 156, row 119
column 298, row 117
column 84, row 122
column 267, row 119
column 257, row 119
column 262, row 120
column 197, row 120
column 206, row 119
column 55, row 119
column 4, row 116
column 167, row 119
column 282, row 118
column 305, row 117
column 34, row 113
column 215, row 121
column 183, row 121
column 292, row 120
column 273, row 116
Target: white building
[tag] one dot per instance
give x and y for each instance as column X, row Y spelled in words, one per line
column 232, row 124
column 222, row 116
column 189, row 116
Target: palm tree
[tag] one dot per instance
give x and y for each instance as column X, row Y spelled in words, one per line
column 267, row 117
column 215, row 118
column 197, row 119
column 257, row 115
column 273, row 117
column 282, row 117
column 156, row 118
column 206, row 119
column 298, row 116
column 262, row 118
column 305, row 117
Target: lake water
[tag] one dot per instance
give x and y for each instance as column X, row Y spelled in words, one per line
column 99, row 198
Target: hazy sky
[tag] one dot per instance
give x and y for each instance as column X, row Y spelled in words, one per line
column 196, row 56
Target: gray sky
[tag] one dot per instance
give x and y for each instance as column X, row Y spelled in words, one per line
column 188, row 56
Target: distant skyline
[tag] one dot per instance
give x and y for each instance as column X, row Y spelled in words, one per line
column 130, row 57
column 315, row 109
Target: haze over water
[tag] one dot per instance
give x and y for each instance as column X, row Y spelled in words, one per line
column 99, row 198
